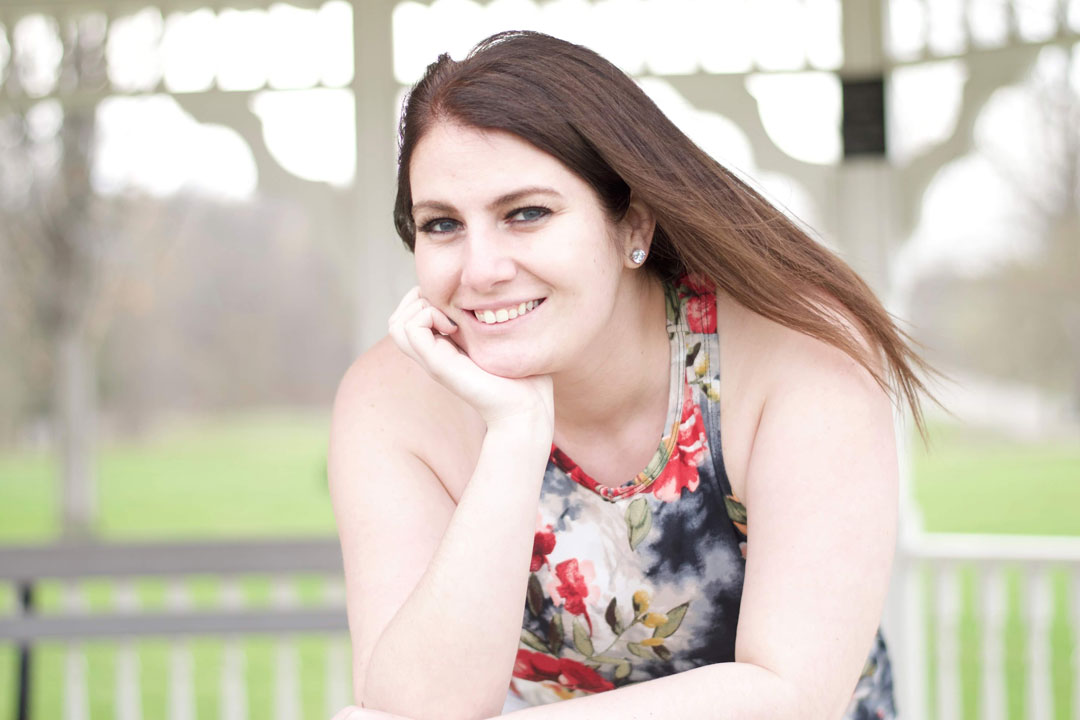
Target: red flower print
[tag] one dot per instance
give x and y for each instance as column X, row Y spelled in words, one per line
column 700, row 296
column 681, row 470
column 576, row 676
column 572, row 587
column 569, row 673
column 701, row 313
column 695, row 284
column 535, row 666
column 543, row 543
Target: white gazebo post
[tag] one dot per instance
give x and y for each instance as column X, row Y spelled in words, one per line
column 385, row 270
column 866, row 231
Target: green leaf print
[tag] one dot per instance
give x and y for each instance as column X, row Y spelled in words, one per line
column 622, row 670
column 662, row 652
column 611, row 615
column 530, row 639
column 582, row 641
column 534, row 595
column 691, row 355
column 638, row 521
column 735, row 510
column 555, row 634
column 674, row 620
column 672, row 303
column 641, row 651
column 607, row 659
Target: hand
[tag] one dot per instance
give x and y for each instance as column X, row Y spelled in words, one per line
column 354, row 713
column 423, row 332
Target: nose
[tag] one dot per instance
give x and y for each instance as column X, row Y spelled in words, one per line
column 487, row 261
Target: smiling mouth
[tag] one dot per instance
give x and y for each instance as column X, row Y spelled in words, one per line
column 495, row 317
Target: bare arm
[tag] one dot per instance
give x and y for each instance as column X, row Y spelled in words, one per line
column 449, row 650
column 435, row 592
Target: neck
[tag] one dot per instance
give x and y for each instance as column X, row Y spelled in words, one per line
column 627, row 372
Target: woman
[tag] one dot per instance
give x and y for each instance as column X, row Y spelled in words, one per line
column 599, row 303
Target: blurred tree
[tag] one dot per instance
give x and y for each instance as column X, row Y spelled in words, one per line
column 1021, row 320
column 58, row 248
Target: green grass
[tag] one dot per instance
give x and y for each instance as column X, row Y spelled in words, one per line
column 976, row 482
column 264, row 475
column 251, row 476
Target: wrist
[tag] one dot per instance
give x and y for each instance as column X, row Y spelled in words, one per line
column 531, row 426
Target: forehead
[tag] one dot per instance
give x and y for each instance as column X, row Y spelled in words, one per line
column 461, row 164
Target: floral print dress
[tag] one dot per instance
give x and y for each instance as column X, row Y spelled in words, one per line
column 641, row 581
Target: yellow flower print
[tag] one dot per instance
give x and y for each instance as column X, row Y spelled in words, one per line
column 654, row 620
column 701, row 364
column 712, row 389
column 641, row 601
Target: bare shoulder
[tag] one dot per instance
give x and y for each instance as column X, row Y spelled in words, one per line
column 386, row 403
column 774, row 356
column 769, row 368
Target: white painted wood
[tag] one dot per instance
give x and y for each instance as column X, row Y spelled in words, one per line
column 991, row 608
column 384, row 268
column 338, row 667
column 947, row 610
column 913, row 702
column 128, row 695
column 286, row 656
column 1046, row 549
column 180, row 697
column 76, row 702
column 234, row 700
column 1038, row 610
column 338, row 676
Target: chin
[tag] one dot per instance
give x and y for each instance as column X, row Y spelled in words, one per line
column 509, row 367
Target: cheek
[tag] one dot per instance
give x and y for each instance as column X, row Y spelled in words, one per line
column 432, row 275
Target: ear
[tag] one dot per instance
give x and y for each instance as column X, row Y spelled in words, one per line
column 636, row 230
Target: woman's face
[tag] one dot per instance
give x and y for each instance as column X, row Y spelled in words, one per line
column 506, row 232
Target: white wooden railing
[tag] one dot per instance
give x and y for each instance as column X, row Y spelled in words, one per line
column 126, row 621
column 926, row 591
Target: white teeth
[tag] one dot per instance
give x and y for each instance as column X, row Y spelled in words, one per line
column 490, row 317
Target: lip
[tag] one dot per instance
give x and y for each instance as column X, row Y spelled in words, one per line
column 496, row 327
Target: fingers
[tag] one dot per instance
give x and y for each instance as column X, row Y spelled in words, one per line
column 414, row 323
column 443, row 323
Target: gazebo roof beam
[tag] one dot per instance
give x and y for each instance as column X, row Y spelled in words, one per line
column 29, row 7
column 1065, row 38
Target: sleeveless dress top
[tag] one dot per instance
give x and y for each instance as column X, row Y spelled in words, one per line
column 642, row 581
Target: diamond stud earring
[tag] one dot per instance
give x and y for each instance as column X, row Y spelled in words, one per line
column 638, row 256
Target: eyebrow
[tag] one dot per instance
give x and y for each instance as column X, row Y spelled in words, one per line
column 502, row 200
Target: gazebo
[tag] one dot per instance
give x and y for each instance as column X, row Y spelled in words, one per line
column 866, row 201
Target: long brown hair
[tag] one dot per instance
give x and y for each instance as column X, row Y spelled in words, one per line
column 573, row 104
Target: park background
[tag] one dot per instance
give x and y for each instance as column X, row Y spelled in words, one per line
column 195, row 242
